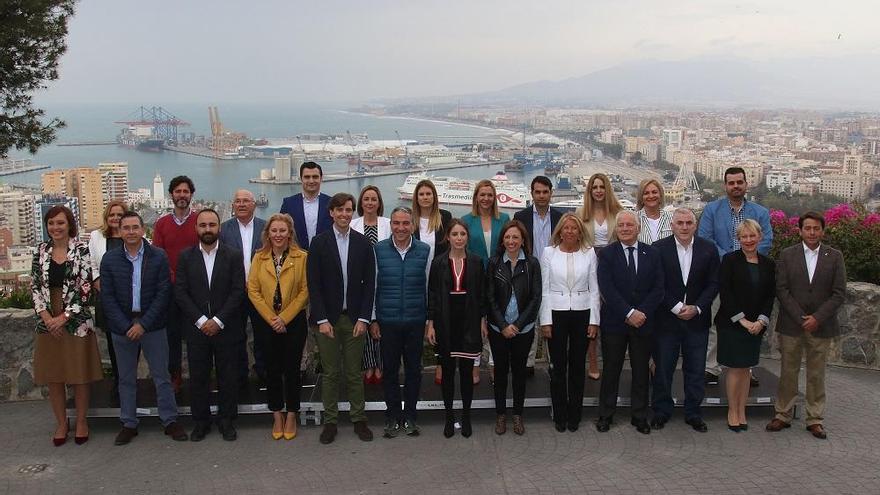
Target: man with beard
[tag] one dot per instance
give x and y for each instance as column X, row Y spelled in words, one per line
column 173, row 233
column 718, row 223
column 209, row 290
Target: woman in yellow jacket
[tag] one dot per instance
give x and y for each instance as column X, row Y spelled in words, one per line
column 277, row 288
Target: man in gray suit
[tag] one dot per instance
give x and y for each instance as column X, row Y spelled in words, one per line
column 810, row 286
column 244, row 232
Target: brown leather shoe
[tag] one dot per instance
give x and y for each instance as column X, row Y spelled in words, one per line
column 363, row 431
column 176, row 432
column 818, row 431
column 500, row 424
column 518, row 426
column 777, row 424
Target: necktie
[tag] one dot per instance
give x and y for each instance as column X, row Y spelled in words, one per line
column 631, row 269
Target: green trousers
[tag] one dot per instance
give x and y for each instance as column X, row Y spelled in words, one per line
column 342, row 355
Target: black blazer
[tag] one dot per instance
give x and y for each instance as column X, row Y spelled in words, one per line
column 440, row 244
column 702, row 286
column 526, row 216
column 620, row 294
column 737, row 292
column 324, row 274
column 226, row 295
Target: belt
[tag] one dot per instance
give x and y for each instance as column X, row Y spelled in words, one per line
column 135, row 314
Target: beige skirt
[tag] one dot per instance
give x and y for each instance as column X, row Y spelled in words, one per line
column 66, row 359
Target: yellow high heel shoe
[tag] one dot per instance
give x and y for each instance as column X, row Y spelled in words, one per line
column 276, row 435
column 290, row 435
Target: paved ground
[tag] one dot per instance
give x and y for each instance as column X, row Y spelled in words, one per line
column 674, row 460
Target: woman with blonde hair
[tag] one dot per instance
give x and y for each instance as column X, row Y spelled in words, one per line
column 278, row 290
column 484, row 224
column 598, row 216
column 569, row 315
column 100, row 241
column 655, row 223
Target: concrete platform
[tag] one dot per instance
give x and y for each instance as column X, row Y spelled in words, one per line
column 253, row 399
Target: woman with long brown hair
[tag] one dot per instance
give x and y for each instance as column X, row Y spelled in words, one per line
column 66, row 350
column 598, row 216
column 376, row 228
column 277, row 288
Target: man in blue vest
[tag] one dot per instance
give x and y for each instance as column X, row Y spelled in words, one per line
column 400, row 314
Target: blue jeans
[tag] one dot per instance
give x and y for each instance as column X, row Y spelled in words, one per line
column 402, row 341
column 155, row 348
column 691, row 345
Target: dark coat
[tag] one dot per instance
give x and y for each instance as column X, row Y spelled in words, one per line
column 701, row 289
column 439, row 309
column 620, row 294
column 799, row 297
column 738, row 295
column 230, row 234
column 440, row 244
column 116, row 289
column 224, row 298
column 524, row 281
column 293, row 206
column 325, row 278
column 527, row 217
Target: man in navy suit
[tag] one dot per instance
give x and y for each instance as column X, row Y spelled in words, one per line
column 540, row 220
column 309, row 208
column 690, row 267
column 631, row 282
column 209, row 289
column 244, row 232
column 341, row 271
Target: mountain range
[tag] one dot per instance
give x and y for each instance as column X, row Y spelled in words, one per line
column 839, row 83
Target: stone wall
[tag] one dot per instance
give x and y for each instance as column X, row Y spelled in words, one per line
column 859, row 340
column 857, row 346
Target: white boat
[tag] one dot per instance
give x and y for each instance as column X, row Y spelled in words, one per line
column 452, row 190
column 573, row 204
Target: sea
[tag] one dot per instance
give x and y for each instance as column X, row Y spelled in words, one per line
column 216, row 180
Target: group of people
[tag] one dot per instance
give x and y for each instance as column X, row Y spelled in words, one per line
column 368, row 291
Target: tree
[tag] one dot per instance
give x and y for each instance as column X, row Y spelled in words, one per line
column 32, row 40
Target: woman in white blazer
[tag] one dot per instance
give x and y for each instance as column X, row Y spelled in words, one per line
column 372, row 224
column 569, row 315
column 100, row 241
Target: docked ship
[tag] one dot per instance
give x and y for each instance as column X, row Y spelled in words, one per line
column 452, row 190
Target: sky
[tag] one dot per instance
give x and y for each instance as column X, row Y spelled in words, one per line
column 266, row 51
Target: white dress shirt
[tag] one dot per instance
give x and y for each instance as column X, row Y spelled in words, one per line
column 310, row 213
column 540, row 232
column 246, row 230
column 685, row 256
column 812, row 258
column 209, row 257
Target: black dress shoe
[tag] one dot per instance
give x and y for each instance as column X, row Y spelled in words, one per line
column 227, row 429
column 573, row 426
column 328, row 434
column 641, row 426
column 658, row 422
column 711, row 379
column 125, row 435
column 199, row 432
column 560, row 427
column 697, row 424
column 603, row 424
column 466, row 427
column 530, row 371
column 734, row 428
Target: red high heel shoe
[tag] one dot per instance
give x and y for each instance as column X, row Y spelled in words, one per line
column 58, row 442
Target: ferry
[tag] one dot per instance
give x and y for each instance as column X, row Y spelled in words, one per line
column 452, row 190
column 573, row 204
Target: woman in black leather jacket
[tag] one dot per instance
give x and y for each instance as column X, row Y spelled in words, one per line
column 514, row 294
